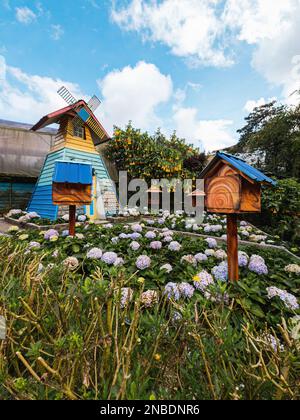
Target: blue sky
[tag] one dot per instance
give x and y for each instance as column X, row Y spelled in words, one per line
column 197, row 66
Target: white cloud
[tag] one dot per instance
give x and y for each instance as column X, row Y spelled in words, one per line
column 57, row 32
column 190, row 28
column 27, row 98
column 208, row 134
column 2, row 68
column 207, row 32
column 25, row 15
column 133, row 93
column 251, row 104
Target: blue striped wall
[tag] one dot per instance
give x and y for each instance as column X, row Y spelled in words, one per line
column 41, row 201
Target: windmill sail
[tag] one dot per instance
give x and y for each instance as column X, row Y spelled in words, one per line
column 66, row 95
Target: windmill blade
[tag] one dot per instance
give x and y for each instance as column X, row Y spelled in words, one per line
column 94, row 103
column 66, row 95
column 96, row 128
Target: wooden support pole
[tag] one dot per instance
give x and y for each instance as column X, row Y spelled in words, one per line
column 72, row 220
column 232, row 247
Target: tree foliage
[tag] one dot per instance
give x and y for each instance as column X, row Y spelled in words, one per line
column 153, row 157
column 275, row 130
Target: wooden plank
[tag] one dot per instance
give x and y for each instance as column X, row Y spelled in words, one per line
column 223, row 193
column 72, row 220
column 232, row 248
column 67, row 194
column 251, row 197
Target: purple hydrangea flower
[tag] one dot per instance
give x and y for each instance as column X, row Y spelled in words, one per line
column 174, row 246
column 161, row 221
column 150, row 235
column 108, row 226
column 156, row 245
column 115, row 240
column 172, row 291
column 126, row 296
column 65, row 233
column 134, row 245
column 143, row 262
column 201, row 257
column 123, row 236
column 94, row 253
column 134, row 236
column 288, row 299
column 257, row 265
column 211, row 242
column 34, row 245
column 243, row 259
column 186, row 290
column 109, row 257
column 137, row 228
column 167, row 239
column 81, row 218
column 150, row 222
column 220, row 272
column 203, row 280
column 50, row 234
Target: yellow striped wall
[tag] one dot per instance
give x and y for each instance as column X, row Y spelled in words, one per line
column 65, row 138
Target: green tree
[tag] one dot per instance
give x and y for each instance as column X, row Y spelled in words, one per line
column 154, row 157
column 275, row 130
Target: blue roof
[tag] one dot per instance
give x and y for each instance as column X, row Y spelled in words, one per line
column 248, row 170
column 73, row 173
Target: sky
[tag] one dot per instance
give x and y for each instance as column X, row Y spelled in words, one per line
column 195, row 66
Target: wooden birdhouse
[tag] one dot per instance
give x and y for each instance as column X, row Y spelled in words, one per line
column 72, row 186
column 232, row 187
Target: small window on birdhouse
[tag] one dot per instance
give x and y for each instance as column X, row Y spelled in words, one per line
column 78, row 131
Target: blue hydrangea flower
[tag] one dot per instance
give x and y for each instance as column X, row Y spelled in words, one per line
column 137, row 228
column 94, row 253
column 50, row 234
column 109, row 257
column 257, row 265
column 126, row 296
column 123, row 235
column 201, row 257
column 288, row 299
column 186, row 290
column 243, row 259
column 172, row 291
column 150, row 235
column 134, row 236
column 203, row 280
column 220, row 272
column 211, row 242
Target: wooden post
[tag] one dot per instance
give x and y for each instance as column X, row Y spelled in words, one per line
column 232, row 247
column 72, row 220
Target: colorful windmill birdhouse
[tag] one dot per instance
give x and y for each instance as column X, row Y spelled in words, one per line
column 78, row 135
column 233, row 187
